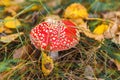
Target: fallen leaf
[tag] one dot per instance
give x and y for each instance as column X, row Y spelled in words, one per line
column 10, row 38
column 89, row 73
column 12, row 9
column 100, row 29
column 110, row 32
column 84, row 29
column 22, row 52
column 47, row 64
column 113, row 32
column 5, row 30
column 5, row 2
column 75, row 10
column 53, row 3
column 10, row 22
column 116, row 39
column 111, row 15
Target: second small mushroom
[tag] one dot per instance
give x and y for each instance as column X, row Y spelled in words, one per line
column 54, row 34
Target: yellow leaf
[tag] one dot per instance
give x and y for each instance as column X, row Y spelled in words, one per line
column 47, row 64
column 5, row 2
column 75, row 10
column 10, row 38
column 10, row 22
column 100, row 29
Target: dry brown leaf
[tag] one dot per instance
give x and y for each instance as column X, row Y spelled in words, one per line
column 53, row 3
column 113, row 32
column 111, row 15
column 110, row 33
column 89, row 73
column 116, row 39
column 22, row 52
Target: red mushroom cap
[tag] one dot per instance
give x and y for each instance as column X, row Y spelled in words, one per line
column 57, row 36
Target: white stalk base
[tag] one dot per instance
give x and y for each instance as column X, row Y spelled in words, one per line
column 53, row 55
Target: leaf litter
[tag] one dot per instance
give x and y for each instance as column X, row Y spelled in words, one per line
column 43, row 66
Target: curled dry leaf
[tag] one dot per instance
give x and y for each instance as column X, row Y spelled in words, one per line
column 10, row 38
column 22, row 52
column 111, row 15
column 116, row 39
column 10, row 22
column 47, row 64
column 76, row 10
column 113, row 32
column 84, row 29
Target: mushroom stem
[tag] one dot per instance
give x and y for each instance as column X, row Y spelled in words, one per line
column 53, row 55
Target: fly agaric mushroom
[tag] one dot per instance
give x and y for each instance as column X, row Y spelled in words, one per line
column 54, row 35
